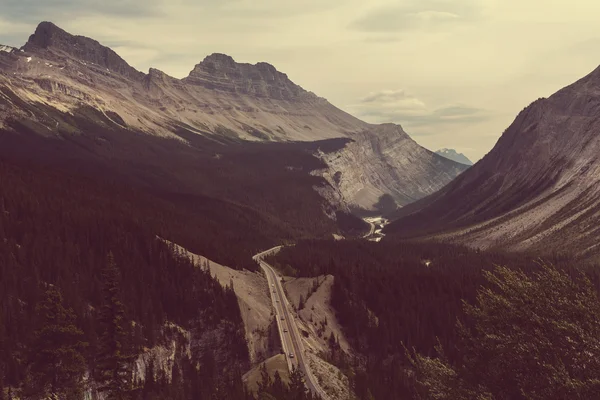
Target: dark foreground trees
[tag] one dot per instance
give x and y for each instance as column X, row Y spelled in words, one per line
column 274, row 389
column 55, row 233
column 57, row 362
column 113, row 362
column 527, row 337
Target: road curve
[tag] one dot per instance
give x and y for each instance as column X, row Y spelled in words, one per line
column 289, row 333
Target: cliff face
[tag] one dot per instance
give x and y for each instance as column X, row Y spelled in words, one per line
column 538, row 188
column 384, row 160
column 220, row 99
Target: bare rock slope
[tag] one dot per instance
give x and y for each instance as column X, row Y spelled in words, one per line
column 538, row 188
column 219, row 98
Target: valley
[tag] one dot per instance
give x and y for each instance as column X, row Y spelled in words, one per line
column 231, row 235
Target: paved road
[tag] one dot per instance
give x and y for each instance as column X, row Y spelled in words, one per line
column 288, row 330
column 371, row 230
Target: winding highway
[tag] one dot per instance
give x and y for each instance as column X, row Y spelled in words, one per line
column 289, row 333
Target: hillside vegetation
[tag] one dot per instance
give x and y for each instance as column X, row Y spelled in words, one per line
column 393, row 297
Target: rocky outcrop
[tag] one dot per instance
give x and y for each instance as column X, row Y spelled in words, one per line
column 537, row 189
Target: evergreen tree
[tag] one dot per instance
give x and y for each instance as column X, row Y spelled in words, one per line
column 529, row 337
column 298, row 390
column 265, row 379
column 57, row 365
column 112, row 368
column 1, row 384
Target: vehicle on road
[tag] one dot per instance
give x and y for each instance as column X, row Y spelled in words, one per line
column 285, row 330
column 291, row 355
column 282, row 318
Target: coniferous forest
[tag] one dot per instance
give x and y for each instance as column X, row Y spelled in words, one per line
column 397, row 300
column 70, row 209
column 89, row 290
column 86, row 286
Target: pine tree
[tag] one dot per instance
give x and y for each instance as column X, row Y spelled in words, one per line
column 298, row 390
column 278, row 387
column 57, row 362
column 534, row 337
column 265, row 379
column 112, row 362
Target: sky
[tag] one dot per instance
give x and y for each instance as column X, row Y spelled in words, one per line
column 453, row 73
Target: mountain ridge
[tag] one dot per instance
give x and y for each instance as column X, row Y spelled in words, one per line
column 220, row 99
column 537, row 189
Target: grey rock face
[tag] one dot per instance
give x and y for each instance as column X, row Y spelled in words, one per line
column 383, row 159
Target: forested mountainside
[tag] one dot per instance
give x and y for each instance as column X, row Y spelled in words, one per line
column 58, row 234
column 537, row 189
column 393, row 297
column 216, row 193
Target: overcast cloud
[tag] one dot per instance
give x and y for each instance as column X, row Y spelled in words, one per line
column 454, row 73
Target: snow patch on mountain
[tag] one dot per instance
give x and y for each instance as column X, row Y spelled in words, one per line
column 6, row 49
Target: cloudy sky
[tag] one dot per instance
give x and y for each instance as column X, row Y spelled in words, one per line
column 454, row 73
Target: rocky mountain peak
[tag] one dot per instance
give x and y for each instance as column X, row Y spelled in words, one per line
column 221, row 72
column 218, row 61
column 452, row 154
column 49, row 37
column 46, row 34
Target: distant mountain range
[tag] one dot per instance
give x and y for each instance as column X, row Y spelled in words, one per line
column 56, row 75
column 538, row 189
column 452, row 154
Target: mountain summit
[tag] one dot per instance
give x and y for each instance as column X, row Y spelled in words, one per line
column 50, row 37
column 538, row 188
column 452, row 154
column 221, row 72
